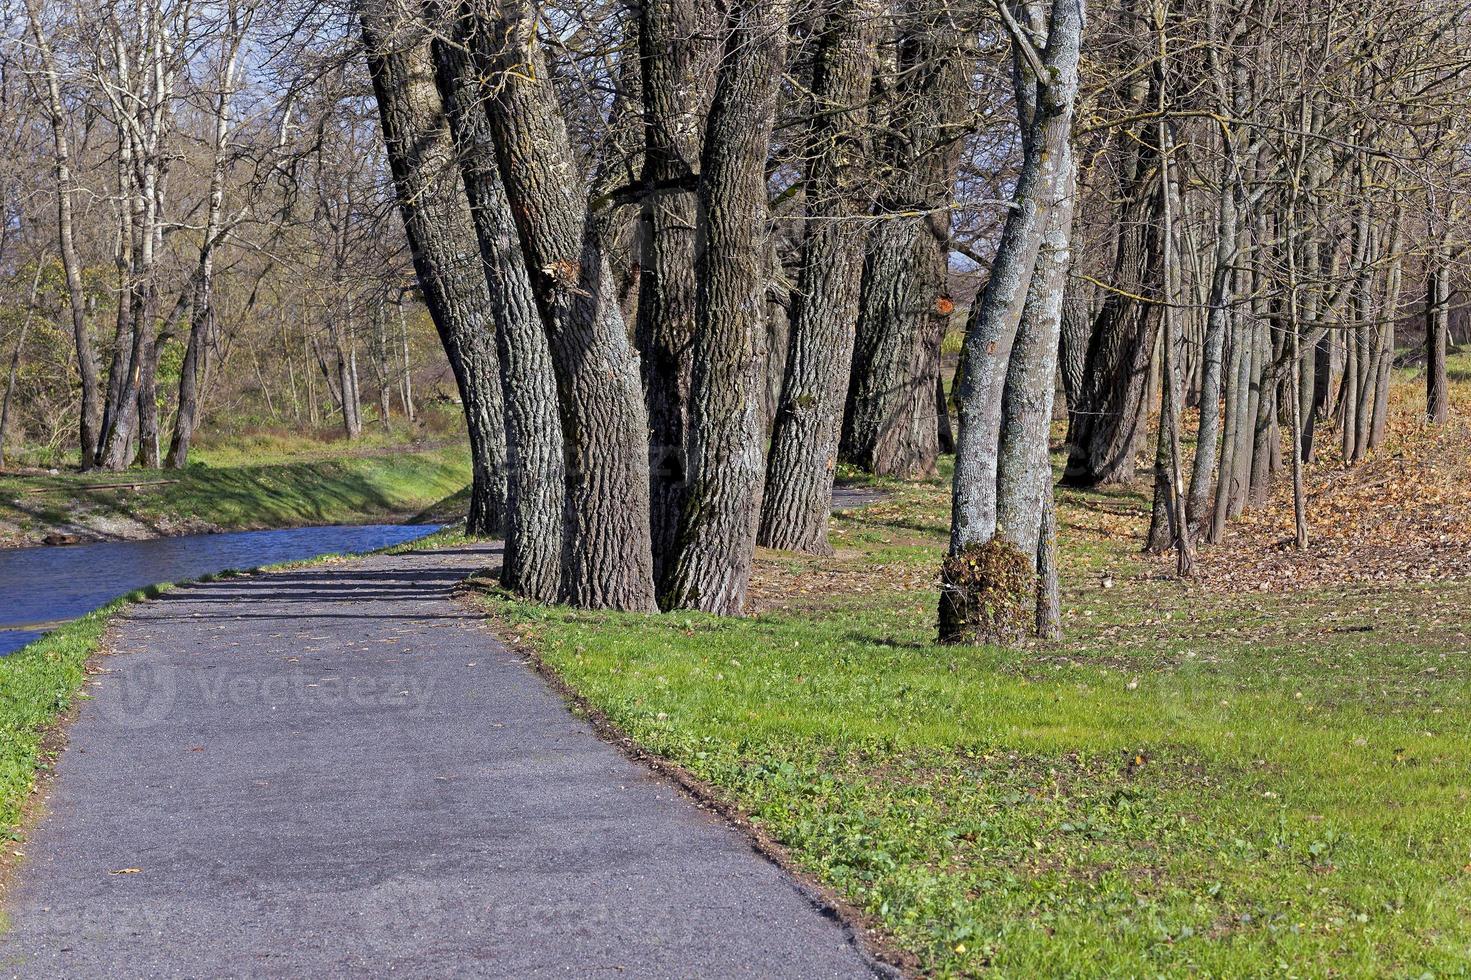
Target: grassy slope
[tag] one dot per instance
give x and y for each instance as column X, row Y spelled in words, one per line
column 302, row 490
column 1196, row 780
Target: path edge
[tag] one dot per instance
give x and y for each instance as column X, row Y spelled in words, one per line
column 878, row 949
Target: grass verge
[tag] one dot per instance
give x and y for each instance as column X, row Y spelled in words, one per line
column 343, row 489
column 38, row 683
column 1194, row 782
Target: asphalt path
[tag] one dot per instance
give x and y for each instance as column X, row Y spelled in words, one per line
column 338, row 770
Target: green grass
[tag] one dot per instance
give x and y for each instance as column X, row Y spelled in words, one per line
column 341, row 489
column 1192, row 783
column 37, row 684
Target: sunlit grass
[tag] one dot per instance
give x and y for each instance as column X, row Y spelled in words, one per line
column 1191, row 783
column 330, row 490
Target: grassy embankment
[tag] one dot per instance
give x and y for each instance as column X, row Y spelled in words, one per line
column 1243, row 776
column 264, row 482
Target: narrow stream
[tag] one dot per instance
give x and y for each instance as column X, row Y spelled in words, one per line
column 41, row 588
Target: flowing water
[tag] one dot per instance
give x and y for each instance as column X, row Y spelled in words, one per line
column 40, row 588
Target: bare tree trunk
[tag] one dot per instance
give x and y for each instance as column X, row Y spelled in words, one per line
column 1389, row 314
column 406, row 381
column 888, row 428
column 799, row 478
column 607, row 558
column 1023, row 466
column 195, row 355
column 1437, row 331
column 675, row 52
column 1218, row 319
column 1110, row 415
column 1049, row 600
column 946, row 433
column 1072, row 355
column 1233, row 412
column 20, row 343
column 718, row 527
column 1168, row 467
column 90, row 421
column 442, row 241
column 532, row 565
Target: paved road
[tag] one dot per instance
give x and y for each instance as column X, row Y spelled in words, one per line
column 337, row 770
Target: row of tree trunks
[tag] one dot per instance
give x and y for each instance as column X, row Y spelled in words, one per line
column 889, row 426
column 442, row 240
column 799, row 477
column 726, row 460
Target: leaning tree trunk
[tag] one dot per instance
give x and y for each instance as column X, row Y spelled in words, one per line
column 717, row 529
column 442, row 241
column 607, row 561
column 889, row 426
column 674, row 55
column 536, row 485
column 799, row 477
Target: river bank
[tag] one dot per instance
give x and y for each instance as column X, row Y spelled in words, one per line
column 387, row 485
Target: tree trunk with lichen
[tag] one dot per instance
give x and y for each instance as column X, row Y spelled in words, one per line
column 1002, row 477
column 889, row 425
column 717, row 529
column 606, row 559
column 799, row 475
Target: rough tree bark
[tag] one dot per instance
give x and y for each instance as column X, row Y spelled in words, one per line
column 442, row 240
column 799, row 478
column 718, row 526
column 607, row 560
column 889, row 426
column 1002, row 479
column 674, row 56
column 536, row 483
